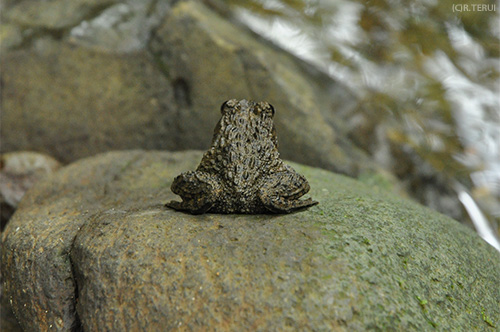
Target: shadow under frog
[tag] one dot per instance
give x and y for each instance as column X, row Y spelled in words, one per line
column 242, row 171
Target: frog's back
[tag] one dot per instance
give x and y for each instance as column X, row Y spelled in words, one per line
column 243, row 153
column 242, row 171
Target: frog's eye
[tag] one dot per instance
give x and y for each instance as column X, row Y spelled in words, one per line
column 227, row 105
column 271, row 109
column 223, row 107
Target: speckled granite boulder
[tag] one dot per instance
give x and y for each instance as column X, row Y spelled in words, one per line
column 93, row 245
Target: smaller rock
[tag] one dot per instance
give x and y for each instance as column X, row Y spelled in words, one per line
column 18, row 172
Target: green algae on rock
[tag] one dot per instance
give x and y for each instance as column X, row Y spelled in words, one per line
column 95, row 235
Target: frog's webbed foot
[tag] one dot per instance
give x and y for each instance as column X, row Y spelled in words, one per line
column 281, row 192
column 197, row 191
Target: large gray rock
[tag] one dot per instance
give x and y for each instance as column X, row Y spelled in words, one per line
column 95, row 242
column 210, row 60
column 71, row 101
column 101, row 82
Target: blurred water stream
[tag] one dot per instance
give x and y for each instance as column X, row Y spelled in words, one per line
column 434, row 66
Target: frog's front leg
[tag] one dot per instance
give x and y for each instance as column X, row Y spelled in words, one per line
column 281, row 191
column 197, row 190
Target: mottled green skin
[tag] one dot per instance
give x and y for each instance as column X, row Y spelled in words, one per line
column 362, row 260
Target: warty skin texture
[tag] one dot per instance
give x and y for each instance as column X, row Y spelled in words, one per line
column 242, row 171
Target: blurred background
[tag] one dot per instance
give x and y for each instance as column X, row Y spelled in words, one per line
column 426, row 74
column 403, row 95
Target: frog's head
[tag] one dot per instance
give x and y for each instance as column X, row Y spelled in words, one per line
column 246, row 112
column 244, row 120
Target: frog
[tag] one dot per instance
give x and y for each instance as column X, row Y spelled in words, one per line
column 242, row 172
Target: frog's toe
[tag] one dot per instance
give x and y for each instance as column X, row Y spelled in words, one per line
column 284, row 205
column 174, row 205
column 191, row 206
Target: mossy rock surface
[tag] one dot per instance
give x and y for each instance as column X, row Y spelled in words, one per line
column 93, row 245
